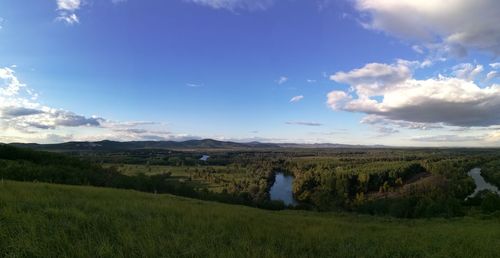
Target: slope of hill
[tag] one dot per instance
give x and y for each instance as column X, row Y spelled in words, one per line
column 44, row 220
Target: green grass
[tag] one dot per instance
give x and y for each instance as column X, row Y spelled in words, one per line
column 43, row 220
column 183, row 173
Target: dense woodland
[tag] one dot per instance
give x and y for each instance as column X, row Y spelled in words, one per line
column 403, row 183
column 491, row 171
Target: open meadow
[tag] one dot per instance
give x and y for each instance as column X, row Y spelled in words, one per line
column 44, row 220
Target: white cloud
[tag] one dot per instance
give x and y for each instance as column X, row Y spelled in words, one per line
column 418, row 49
column 145, row 134
column 338, row 99
column 68, row 5
column 311, row 81
column 493, row 137
column 67, row 11
column 426, row 63
column 282, row 80
column 12, row 85
column 69, row 18
column 492, row 75
column 382, row 91
column 467, row 71
column 447, row 138
column 194, row 85
column 24, row 119
column 380, row 120
column 234, row 5
column 296, row 99
column 20, row 111
column 304, row 123
column 454, row 26
column 385, row 131
column 374, row 77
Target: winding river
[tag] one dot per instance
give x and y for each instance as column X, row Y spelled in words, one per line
column 481, row 184
column 282, row 189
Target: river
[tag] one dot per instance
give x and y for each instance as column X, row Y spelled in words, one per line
column 481, row 184
column 282, row 189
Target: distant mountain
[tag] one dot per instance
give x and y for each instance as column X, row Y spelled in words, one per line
column 114, row 145
column 326, row 145
column 174, row 145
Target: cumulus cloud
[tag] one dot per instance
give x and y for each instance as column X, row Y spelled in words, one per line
column 304, row 123
column 296, row 99
column 467, row 71
column 24, row 119
column 68, row 5
column 455, row 26
column 492, row 75
column 380, row 90
column 20, row 110
column 338, row 99
column 234, row 5
column 374, row 77
column 43, row 117
column 374, row 73
column 380, row 120
column 11, row 84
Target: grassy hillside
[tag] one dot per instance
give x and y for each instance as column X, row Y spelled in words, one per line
column 46, row 220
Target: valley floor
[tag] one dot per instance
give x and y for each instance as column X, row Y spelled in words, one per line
column 44, row 220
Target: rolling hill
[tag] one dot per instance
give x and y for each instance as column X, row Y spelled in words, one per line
column 204, row 144
column 45, row 220
column 115, row 145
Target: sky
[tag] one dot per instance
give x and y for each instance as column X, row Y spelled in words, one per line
column 392, row 72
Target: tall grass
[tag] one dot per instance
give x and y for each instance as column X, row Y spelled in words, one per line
column 43, row 220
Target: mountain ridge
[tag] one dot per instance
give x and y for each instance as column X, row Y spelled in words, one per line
column 189, row 144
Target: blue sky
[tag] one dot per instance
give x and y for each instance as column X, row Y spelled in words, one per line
column 353, row 71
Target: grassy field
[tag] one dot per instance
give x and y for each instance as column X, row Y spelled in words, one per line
column 185, row 174
column 43, row 220
column 178, row 173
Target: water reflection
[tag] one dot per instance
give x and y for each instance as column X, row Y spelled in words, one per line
column 282, row 189
column 481, row 184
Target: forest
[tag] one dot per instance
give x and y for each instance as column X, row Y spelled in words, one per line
column 406, row 183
